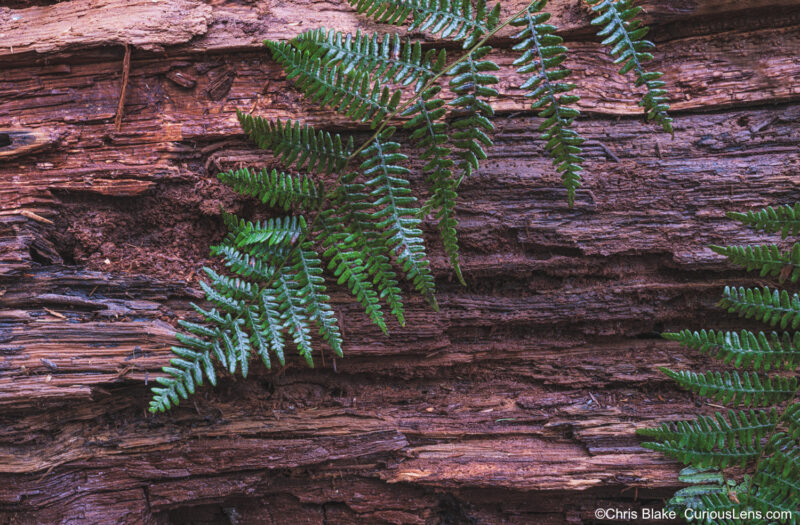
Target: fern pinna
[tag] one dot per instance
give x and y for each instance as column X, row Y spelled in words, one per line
column 745, row 463
column 352, row 212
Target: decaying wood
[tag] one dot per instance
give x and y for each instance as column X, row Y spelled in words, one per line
column 516, row 404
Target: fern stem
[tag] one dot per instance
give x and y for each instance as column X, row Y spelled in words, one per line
column 433, row 80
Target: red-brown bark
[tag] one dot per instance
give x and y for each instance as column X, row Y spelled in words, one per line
column 516, row 403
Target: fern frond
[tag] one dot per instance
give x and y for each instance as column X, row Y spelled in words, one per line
column 223, row 301
column 747, row 427
column 298, row 145
column 784, row 219
column 708, row 491
column 293, row 314
column 386, row 59
column 453, row 19
column 187, row 370
column 430, row 132
column 311, row 288
column 543, row 55
column 272, row 232
column 775, row 484
column 327, row 85
column 354, row 204
column 252, row 316
column 470, row 83
column 625, row 36
column 792, row 418
column 347, row 265
column 768, row 306
column 698, row 455
column 395, row 217
column 703, row 482
column 276, row 189
column 243, row 264
column 745, row 348
column 768, row 259
column 771, row 480
column 749, row 389
column 270, row 321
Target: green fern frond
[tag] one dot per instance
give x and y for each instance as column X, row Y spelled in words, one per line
column 386, row 59
column 708, row 491
column 231, row 287
column 768, row 259
column 704, row 483
column 771, row 477
column 471, row 125
column 347, row 265
column 293, row 314
column 311, row 288
column 625, row 36
column 792, row 418
column 768, row 306
column 299, row 145
column 272, row 232
column 748, row 389
column 430, row 132
column 355, row 205
column 351, row 95
column 223, row 301
column 453, row 19
column 698, row 455
column 444, row 201
column 395, row 217
column 784, row 219
column 186, row 372
column 747, row 427
column 272, row 286
column 775, row 485
column 252, row 316
column 270, row 321
column 276, row 189
column 543, row 55
column 243, row 264
column 745, row 348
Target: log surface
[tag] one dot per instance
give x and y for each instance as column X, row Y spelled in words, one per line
column 517, row 403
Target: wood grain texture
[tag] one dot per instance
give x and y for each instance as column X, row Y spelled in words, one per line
column 516, row 404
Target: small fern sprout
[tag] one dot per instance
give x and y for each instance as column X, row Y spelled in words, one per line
column 346, row 214
column 760, row 434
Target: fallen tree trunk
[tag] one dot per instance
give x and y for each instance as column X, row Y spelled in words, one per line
column 516, row 403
